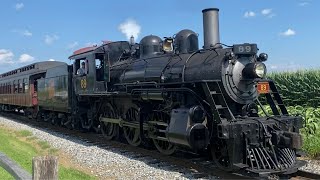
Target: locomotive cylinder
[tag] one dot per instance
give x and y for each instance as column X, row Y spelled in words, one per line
column 211, row 27
column 184, row 131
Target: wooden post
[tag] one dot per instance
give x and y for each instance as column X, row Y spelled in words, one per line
column 45, row 168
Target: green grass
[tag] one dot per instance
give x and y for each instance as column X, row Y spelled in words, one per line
column 24, row 133
column 22, row 150
column 17, row 150
column 68, row 173
column 52, row 151
column 31, row 138
column 311, row 145
column 43, row 144
column 5, row 175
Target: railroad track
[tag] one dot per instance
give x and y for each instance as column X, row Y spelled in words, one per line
column 305, row 175
column 199, row 166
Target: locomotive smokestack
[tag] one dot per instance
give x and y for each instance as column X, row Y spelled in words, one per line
column 211, row 27
column 132, row 40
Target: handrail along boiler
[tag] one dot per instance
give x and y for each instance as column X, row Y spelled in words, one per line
column 173, row 94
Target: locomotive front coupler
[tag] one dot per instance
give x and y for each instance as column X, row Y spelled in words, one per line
column 261, row 146
column 286, row 139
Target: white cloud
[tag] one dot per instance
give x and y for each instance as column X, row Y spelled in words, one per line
column 26, row 33
column 274, row 66
column 268, row 13
column 249, row 14
column 130, row 28
column 73, row 45
column 304, row 3
column 91, row 44
column 52, row 59
column 49, row 39
column 289, row 32
column 6, row 56
column 271, row 15
column 26, row 58
column 19, row 6
column 289, row 66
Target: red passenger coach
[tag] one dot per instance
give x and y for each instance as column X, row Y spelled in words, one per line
column 18, row 88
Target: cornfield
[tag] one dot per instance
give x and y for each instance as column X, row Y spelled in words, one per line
column 300, row 92
column 298, row 88
column 310, row 116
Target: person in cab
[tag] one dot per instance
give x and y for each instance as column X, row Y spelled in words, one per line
column 82, row 70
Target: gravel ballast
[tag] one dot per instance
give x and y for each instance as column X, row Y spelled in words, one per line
column 312, row 166
column 103, row 163
column 110, row 163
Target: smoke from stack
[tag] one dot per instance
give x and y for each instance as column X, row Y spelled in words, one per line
column 130, row 28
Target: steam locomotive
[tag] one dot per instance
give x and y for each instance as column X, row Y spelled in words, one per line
column 170, row 93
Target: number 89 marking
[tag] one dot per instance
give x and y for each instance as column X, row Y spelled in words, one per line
column 83, row 83
column 246, row 49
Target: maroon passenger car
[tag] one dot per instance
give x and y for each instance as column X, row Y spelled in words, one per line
column 18, row 88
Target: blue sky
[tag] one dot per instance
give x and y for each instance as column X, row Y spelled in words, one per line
column 33, row 30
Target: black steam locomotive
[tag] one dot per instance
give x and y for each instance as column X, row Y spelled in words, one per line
column 175, row 95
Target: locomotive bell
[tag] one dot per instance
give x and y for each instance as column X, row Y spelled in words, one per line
column 168, row 44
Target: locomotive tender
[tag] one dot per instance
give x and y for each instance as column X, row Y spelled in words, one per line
column 173, row 94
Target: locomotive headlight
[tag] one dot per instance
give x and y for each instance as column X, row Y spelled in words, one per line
column 260, row 70
column 254, row 70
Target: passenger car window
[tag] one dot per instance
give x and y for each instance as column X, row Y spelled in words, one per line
column 20, row 86
column 25, row 85
column 15, row 86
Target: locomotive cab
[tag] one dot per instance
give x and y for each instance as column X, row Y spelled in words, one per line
column 84, row 70
column 92, row 66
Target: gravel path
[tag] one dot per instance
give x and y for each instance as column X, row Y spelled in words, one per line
column 105, row 164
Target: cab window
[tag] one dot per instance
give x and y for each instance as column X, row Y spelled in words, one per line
column 99, row 67
column 81, row 67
